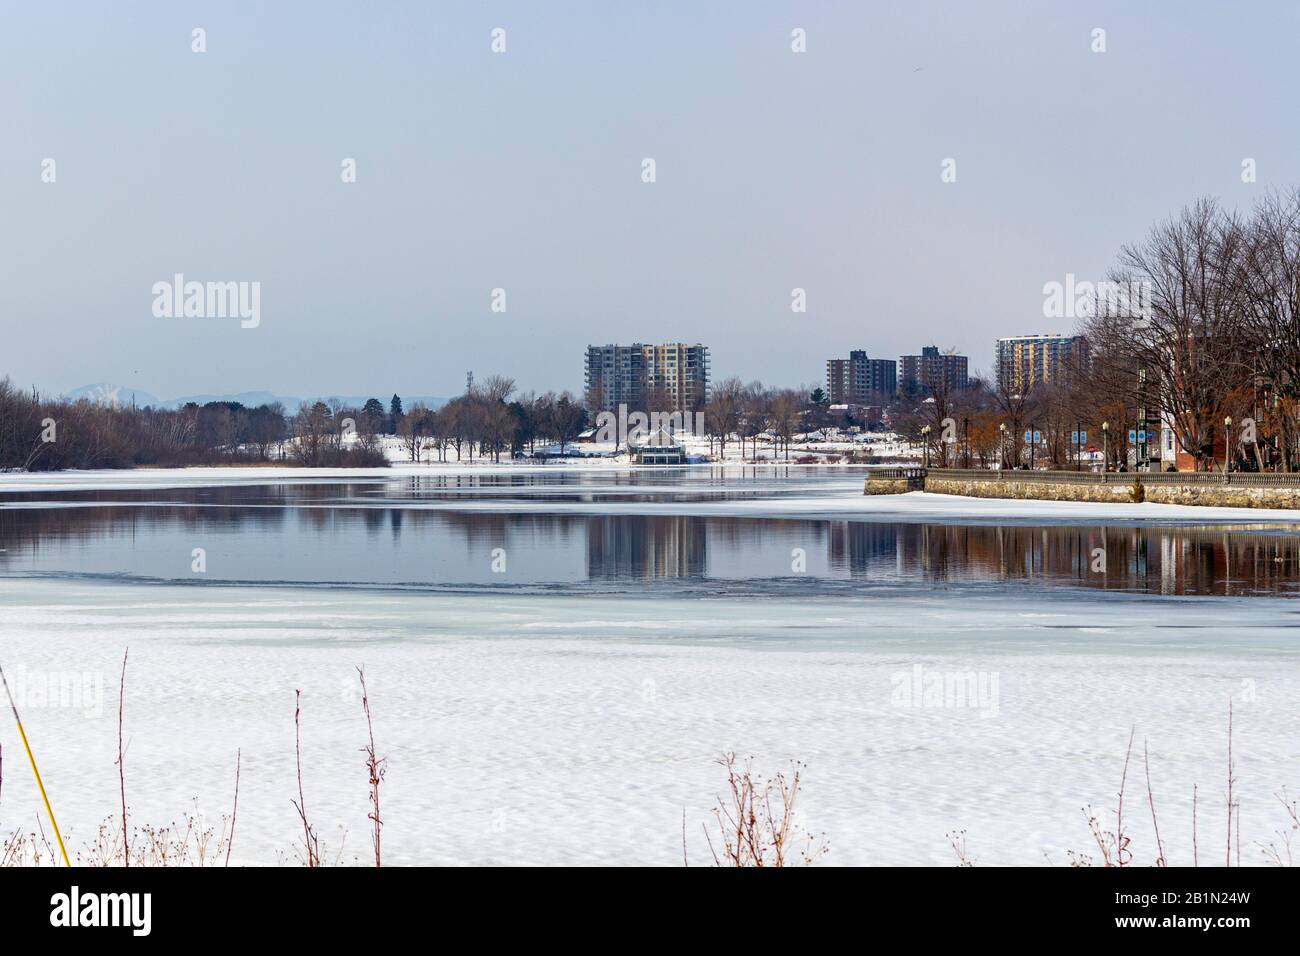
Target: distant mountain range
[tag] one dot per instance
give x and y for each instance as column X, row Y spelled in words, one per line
column 104, row 393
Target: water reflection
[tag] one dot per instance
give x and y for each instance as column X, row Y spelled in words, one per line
column 348, row 536
column 1164, row 560
column 642, row 547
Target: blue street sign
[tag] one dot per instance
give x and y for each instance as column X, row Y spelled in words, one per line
column 1079, row 438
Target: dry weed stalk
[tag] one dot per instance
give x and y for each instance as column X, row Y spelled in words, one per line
column 375, row 766
column 751, row 832
column 957, row 839
column 1160, row 847
column 121, row 771
column 1196, row 855
column 311, row 844
column 1121, row 839
column 1114, row 847
column 234, row 809
column 189, row 843
column 1231, row 780
column 1272, row 853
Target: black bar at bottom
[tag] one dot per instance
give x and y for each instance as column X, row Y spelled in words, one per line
column 342, row 905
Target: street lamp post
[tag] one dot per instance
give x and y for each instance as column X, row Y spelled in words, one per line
column 925, row 443
column 1105, row 446
column 1033, row 440
column 1002, row 445
column 965, row 431
column 1227, row 441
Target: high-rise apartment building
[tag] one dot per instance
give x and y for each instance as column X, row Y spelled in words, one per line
column 632, row 375
column 1023, row 361
column 681, row 371
column 859, row 379
column 932, row 371
column 614, row 374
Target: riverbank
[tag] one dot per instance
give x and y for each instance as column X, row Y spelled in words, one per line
column 813, row 491
column 1194, row 489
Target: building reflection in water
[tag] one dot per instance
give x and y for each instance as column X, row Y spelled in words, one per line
column 1174, row 561
column 639, row 546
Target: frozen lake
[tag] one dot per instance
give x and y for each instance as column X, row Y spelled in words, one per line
column 568, row 707
column 799, row 532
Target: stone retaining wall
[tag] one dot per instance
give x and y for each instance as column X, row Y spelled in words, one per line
column 888, row 486
column 1042, row 491
column 1228, row 496
column 1118, row 489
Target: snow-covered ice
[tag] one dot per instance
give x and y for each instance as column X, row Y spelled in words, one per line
column 566, row 729
column 839, row 496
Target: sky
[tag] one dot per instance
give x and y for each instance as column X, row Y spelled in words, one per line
column 522, row 171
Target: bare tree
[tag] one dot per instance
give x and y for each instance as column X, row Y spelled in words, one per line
column 753, row 414
column 784, row 407
column 1017, row 407
column 414, row 430
column 1270, row 293
column 722, row 413
column 1186, row 343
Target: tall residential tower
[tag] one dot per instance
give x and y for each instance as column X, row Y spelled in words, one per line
column 635, row 375
column 860, row 380
column 1023, row 361
column 932, row 371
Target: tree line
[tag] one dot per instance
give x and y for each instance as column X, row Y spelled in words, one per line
column 489, row 419
column 43, row 434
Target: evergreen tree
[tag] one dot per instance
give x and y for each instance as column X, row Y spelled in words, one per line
column 373, row 411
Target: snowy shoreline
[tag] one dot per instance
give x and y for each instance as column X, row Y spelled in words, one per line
column 843, row 501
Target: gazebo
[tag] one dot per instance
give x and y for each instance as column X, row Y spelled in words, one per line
column 658, row 449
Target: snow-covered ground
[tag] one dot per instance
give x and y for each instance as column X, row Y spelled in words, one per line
column 839, row 498
column 576, row 730
column 882, row 446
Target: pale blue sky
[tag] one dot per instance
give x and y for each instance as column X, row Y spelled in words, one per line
column 522, row 171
